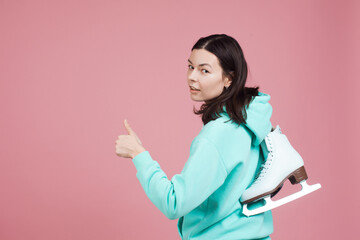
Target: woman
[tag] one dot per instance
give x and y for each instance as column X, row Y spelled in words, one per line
column 224, row 156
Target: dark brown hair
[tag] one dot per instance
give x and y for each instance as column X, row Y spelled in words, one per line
column 236, row 97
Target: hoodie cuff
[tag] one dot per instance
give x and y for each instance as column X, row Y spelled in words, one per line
column 142, row 160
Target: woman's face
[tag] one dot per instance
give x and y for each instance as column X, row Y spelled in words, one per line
column 205, row 74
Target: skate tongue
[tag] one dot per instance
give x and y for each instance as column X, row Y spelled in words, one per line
column 277, row 129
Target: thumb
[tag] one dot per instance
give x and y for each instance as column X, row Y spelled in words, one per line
column 128, row 128
column 130, row 131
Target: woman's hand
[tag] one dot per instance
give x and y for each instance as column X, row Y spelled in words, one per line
column 128, row 146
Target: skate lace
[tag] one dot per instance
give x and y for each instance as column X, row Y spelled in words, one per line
column 266, row 165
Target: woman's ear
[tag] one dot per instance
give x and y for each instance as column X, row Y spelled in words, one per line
column 228, row 79
column 227, row 82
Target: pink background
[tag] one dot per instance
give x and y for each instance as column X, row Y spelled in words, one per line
column 72, row 71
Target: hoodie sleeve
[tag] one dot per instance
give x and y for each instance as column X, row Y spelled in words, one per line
column 203, row 173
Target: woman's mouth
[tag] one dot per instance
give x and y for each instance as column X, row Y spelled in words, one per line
column 192, row 89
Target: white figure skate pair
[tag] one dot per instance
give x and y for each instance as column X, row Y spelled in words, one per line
column 283, row 162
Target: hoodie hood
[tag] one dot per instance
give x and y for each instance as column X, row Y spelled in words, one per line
column 259, row 113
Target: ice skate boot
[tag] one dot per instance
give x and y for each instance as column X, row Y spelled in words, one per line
column 282, row 162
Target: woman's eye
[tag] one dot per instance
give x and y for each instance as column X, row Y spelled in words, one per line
column 204, row 70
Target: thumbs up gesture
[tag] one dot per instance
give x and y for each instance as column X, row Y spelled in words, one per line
column 128, row 146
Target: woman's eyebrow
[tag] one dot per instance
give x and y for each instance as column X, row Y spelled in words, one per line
column 201, row 64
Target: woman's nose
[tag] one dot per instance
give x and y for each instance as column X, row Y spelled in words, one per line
column 192, row 76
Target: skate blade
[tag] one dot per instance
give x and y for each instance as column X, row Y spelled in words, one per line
column 305, row 189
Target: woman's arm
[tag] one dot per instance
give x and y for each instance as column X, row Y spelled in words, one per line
column 203, row 173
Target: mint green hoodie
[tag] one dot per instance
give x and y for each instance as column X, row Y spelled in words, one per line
column 223, row 161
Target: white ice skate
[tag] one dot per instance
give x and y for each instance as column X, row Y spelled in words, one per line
column 283, row 162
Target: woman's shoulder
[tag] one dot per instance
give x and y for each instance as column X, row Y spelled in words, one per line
column 223, row 129
column 232, row 141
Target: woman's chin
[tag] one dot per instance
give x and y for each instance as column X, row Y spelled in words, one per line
column 196, row 99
